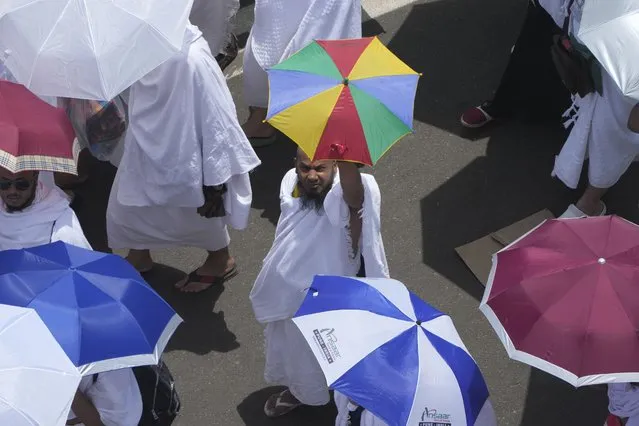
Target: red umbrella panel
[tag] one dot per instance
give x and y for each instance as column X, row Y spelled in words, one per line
column 565, row 299
column 33, row 134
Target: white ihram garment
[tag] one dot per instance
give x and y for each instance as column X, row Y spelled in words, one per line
column 308, row 243
column 600, row 132
column 624, row 402
column 282, row 27
column 48, row 219
column 115, row 395
column 183, row 133
column 213, row 18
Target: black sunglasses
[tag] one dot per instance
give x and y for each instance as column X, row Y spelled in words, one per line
column 20, row 184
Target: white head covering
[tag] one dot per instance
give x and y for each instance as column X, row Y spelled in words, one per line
column 34, row 225
column 624, row 401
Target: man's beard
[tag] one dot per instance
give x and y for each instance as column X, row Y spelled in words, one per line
column 314, row 201
column 27, row 203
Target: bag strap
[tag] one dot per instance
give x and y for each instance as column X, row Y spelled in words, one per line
column 567, row 19
column 52, row 229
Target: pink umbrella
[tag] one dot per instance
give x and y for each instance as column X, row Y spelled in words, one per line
column 565, row 298
column 33, row 134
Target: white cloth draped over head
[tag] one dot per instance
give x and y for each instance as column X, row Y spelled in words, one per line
column 282, row 27
column 115, row 395
column 48, row 219
column 308, row 243
column 486, row 416
column 624, row 402
column 213, row 18
column 183, row 133
column 600, row 130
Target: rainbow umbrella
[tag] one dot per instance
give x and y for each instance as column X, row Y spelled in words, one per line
column 345, row 100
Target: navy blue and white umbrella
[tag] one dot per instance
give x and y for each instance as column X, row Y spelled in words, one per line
column 96, row 305
column 391, row 353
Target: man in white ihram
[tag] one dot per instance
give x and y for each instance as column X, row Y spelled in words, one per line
column 33, row 213
column 183, row 176
column 280, row 29
column 330, row 216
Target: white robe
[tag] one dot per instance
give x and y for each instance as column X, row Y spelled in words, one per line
column 116, row 396
column 624, row 402
column 306, row 244
column 282, row 27
column 213, row 18
column 486, row 416
column 48, row 219
column 183, row 133
column 600, row 132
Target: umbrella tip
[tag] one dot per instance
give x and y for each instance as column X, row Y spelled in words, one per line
column 418, row 322
column 345, row 82
column 602, row 261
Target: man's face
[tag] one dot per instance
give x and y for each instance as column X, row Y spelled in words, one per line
column 17, row 190
column 314, row 177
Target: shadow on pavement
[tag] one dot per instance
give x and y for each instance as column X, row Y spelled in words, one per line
column 553, row 402
column 251, row 410
column 277, row 159
column 203, row 330
column 461, row 48
column 509, row 183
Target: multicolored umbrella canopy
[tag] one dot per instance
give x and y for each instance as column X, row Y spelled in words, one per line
column 565, row 299
column 343, row 99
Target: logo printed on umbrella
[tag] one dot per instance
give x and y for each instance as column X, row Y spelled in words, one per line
column 434, row 418
column 327, row 342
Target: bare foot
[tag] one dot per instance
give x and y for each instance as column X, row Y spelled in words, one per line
column 141, row 260
column 216, row 270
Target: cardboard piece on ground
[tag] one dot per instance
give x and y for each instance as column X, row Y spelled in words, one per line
column 478, row 254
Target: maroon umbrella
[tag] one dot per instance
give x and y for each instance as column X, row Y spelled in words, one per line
column 565, row 299
column 33, row 134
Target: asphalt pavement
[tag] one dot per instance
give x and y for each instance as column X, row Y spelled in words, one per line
column 441, row 187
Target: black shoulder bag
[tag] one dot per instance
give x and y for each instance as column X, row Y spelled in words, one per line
column 573, row 68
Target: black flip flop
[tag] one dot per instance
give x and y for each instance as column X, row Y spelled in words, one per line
column 211, row 280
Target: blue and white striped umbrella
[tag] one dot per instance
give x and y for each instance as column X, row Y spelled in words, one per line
column 391, row 353
column 96, row 305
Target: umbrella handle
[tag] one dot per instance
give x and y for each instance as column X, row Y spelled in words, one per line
column 339, row 149
column 314, row 290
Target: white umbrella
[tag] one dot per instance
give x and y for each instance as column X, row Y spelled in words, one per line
column 610, row 30
column 37, row 379
column 89, row 49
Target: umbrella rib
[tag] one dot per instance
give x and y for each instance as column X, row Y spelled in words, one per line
column 81, row 273
column 148, row 24
column 47, row 39
column 604, row 23
column 587, row 332
column 97, row 62
column 579, row 237
column 544, row 275
column 17, row 410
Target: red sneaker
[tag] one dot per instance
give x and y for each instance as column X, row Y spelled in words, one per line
column 476, row 116
column 613, row 421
